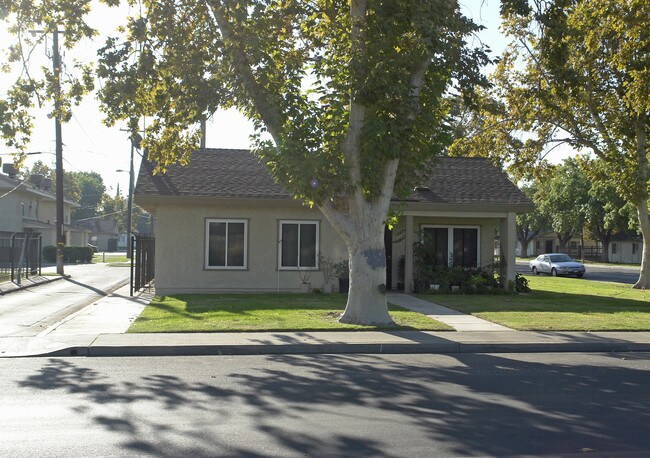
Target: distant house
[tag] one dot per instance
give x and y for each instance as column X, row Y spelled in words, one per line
column 547, row 242
column 103, row 233
column 30, row 206
column 223, row 224
column 626, row 248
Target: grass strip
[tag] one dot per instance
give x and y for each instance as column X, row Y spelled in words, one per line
column 263, row 312
column 559, row 304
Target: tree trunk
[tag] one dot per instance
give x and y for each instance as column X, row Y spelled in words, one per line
column 563, row 239
column 367, row 302
column 642, row 203
column 524, row 248
column 361, row 225
column 644, row 222
column 604, row 256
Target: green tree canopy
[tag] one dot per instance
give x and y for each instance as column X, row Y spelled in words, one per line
column 576, row 73
column 560, row 200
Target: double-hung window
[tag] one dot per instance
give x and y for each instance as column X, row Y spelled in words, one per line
column 226, row 243
column 298, row 247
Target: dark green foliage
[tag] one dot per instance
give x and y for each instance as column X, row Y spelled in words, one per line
column 520, row 285
column 71, row 254
column 49, row 253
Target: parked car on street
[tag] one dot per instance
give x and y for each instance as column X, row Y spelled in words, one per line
column 557, row 264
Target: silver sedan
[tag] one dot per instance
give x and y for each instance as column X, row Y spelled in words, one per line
column 557, row 264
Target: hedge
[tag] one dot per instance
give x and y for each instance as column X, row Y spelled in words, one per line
column 71, row 254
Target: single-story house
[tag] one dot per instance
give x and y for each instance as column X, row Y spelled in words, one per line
column 576, row 247
column 626, row 248
column 223, row 224
column 103, row 233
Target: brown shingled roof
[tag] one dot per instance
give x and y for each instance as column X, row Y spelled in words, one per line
column 236, row 173
column 214, row 173
column 468, row 180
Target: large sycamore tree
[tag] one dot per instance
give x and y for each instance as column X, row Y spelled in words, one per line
column 348, row 99
column 578, row 71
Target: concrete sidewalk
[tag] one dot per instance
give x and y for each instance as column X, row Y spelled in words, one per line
column 98, row 330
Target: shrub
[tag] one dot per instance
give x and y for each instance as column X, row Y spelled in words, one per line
column 75, row 254
column 49, row 253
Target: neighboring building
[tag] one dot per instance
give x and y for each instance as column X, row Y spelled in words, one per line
column 547, row 242
column 626, row 248
column 31, row 207
column 103, row 233
column 223, row 224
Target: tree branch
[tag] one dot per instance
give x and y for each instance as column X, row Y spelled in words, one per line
column 271, row 117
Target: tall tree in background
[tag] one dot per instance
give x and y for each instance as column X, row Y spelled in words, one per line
column 91, row 190
column 606, row 212
column 115, row 208
column 578, row 72
column 529, row 225
column 560, row 200
column 71, row 190
column 347, row 98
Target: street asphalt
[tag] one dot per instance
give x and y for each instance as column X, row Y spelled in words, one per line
column 95, row 311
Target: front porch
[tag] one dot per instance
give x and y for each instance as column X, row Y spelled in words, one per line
column 459, row 238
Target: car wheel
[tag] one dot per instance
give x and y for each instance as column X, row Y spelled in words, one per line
column 535, row 271
column 579, row 275
column 554, row 272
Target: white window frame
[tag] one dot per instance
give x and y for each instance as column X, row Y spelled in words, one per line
column 450, row 238
column 299, row 222
column 206, row 253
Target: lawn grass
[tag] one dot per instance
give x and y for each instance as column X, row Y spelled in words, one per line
column 560, row 304
column 262, row 312
column 110, row 258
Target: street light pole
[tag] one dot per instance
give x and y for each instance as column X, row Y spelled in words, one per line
column 129, row 218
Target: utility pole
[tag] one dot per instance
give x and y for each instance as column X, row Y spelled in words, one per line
column 56, row 68
column 60, row 237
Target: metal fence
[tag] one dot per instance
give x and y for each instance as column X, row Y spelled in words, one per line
column 590, row 252
column 20, row 255
column 143, row 248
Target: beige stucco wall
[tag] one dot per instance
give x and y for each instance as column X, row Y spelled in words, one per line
column 487, row 229
column 180, row 248
column 11, row 215
column 624, row 252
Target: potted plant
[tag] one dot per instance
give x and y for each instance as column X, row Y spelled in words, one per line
column 305, row 277
column 342, row 271
column 327, row 266
column 423, row 263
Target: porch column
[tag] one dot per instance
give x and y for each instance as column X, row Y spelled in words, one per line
column 408, row 255
column 508, row 241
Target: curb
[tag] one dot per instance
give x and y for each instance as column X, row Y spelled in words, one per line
column 370, row 348
column 22, row 287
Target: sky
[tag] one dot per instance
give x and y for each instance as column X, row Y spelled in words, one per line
column 91, row 146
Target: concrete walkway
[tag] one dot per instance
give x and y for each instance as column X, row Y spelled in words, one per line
column 457, row 320
column 98, row 330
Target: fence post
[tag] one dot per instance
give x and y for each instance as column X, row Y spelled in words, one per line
column 132, row 251
column 11, row 258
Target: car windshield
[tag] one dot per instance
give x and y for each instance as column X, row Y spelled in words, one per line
column 561, row 258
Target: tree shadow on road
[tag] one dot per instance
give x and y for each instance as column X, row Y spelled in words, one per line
column 351, row 405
